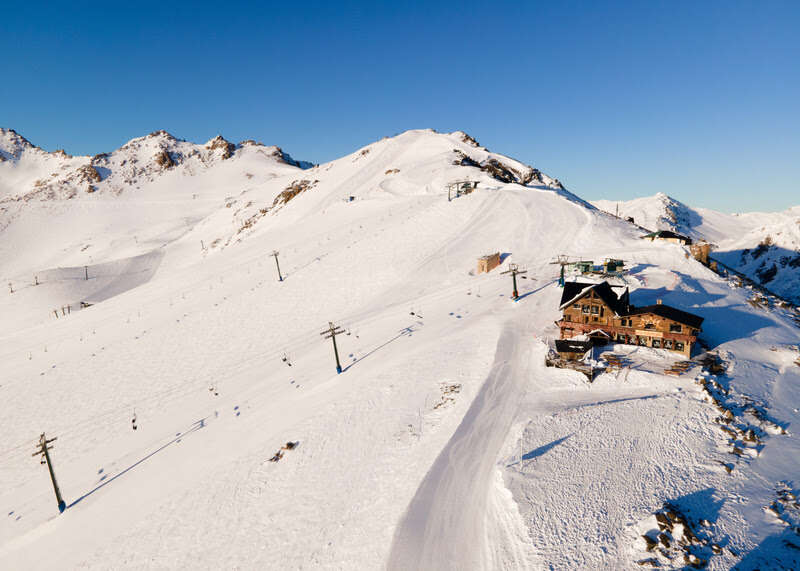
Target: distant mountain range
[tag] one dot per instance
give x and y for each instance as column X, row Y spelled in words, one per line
column 765, row 246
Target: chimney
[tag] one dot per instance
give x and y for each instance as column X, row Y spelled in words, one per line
column 658, row 302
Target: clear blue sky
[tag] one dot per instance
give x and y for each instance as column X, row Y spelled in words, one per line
column 700, row 100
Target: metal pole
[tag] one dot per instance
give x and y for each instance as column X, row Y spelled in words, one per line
column 514, row 276
column 275, row 255
column 336, row 353
column 331, row 332
column 43, row 443
column 86, row 272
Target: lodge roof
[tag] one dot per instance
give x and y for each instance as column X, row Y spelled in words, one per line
column 665, row 234
column 573, row 291
column 668, row 312
column 572, row 346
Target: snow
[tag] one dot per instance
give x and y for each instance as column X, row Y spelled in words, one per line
column 764, row 246
column 444, row 444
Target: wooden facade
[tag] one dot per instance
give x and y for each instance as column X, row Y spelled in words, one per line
column 488, row 263
column 657, row 326
column 701, row 251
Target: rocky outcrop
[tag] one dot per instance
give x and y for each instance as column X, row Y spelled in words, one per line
column 164, row 160
column 227, row 147
column 499, row 170
column 295, row 188
column 12, row 145
column 87, row 174
column 465, row 138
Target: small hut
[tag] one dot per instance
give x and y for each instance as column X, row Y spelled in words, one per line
column 488, row 262
column 611, row 265
column 572, row 349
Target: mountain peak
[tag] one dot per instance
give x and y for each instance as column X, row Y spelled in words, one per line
column 12, row 144
column 161, row 133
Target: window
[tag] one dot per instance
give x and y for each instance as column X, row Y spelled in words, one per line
column 602, row 311
column 625, row 322
column 678, row 346
column 620, row 337
column 595, row 310
column 643, row 341
column 649, row 326
column 585, row 309
column 576, row 305
column 567, row 317
column 667, row 343
column 656, row 343
column 594, row 318
column 675, row 328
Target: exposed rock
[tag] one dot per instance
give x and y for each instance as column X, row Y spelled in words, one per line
column 293, row 190
column 219, row 143
column 469, row 140
column 765, row 273
column 161, row 133
column 464, row 160
column 499, row 171
column 163, row 159
column 88, row 174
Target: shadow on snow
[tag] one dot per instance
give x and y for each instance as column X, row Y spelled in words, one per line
column 194, row 428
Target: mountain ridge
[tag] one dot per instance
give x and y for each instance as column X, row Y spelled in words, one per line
column 764, row 246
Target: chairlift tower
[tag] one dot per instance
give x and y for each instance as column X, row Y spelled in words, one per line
column 514, row 270
column 562, row 261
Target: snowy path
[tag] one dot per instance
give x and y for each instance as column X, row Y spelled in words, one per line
column 445, row 525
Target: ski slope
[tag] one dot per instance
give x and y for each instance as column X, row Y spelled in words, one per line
column 444, row 444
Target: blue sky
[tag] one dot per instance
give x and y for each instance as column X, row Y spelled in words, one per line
column 700, row 100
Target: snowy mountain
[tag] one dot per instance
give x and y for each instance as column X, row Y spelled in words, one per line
column 764, row 246
column 29, row 173
column 127, row 202
column 201, row 422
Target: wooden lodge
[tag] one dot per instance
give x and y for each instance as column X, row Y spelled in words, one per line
column 589, row 309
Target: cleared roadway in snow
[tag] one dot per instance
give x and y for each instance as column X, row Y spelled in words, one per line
column 445, row 525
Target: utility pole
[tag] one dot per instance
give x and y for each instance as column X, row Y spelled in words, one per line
column 43, row 451
column 330, row 333
column 514, row 270
column 280, row 277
